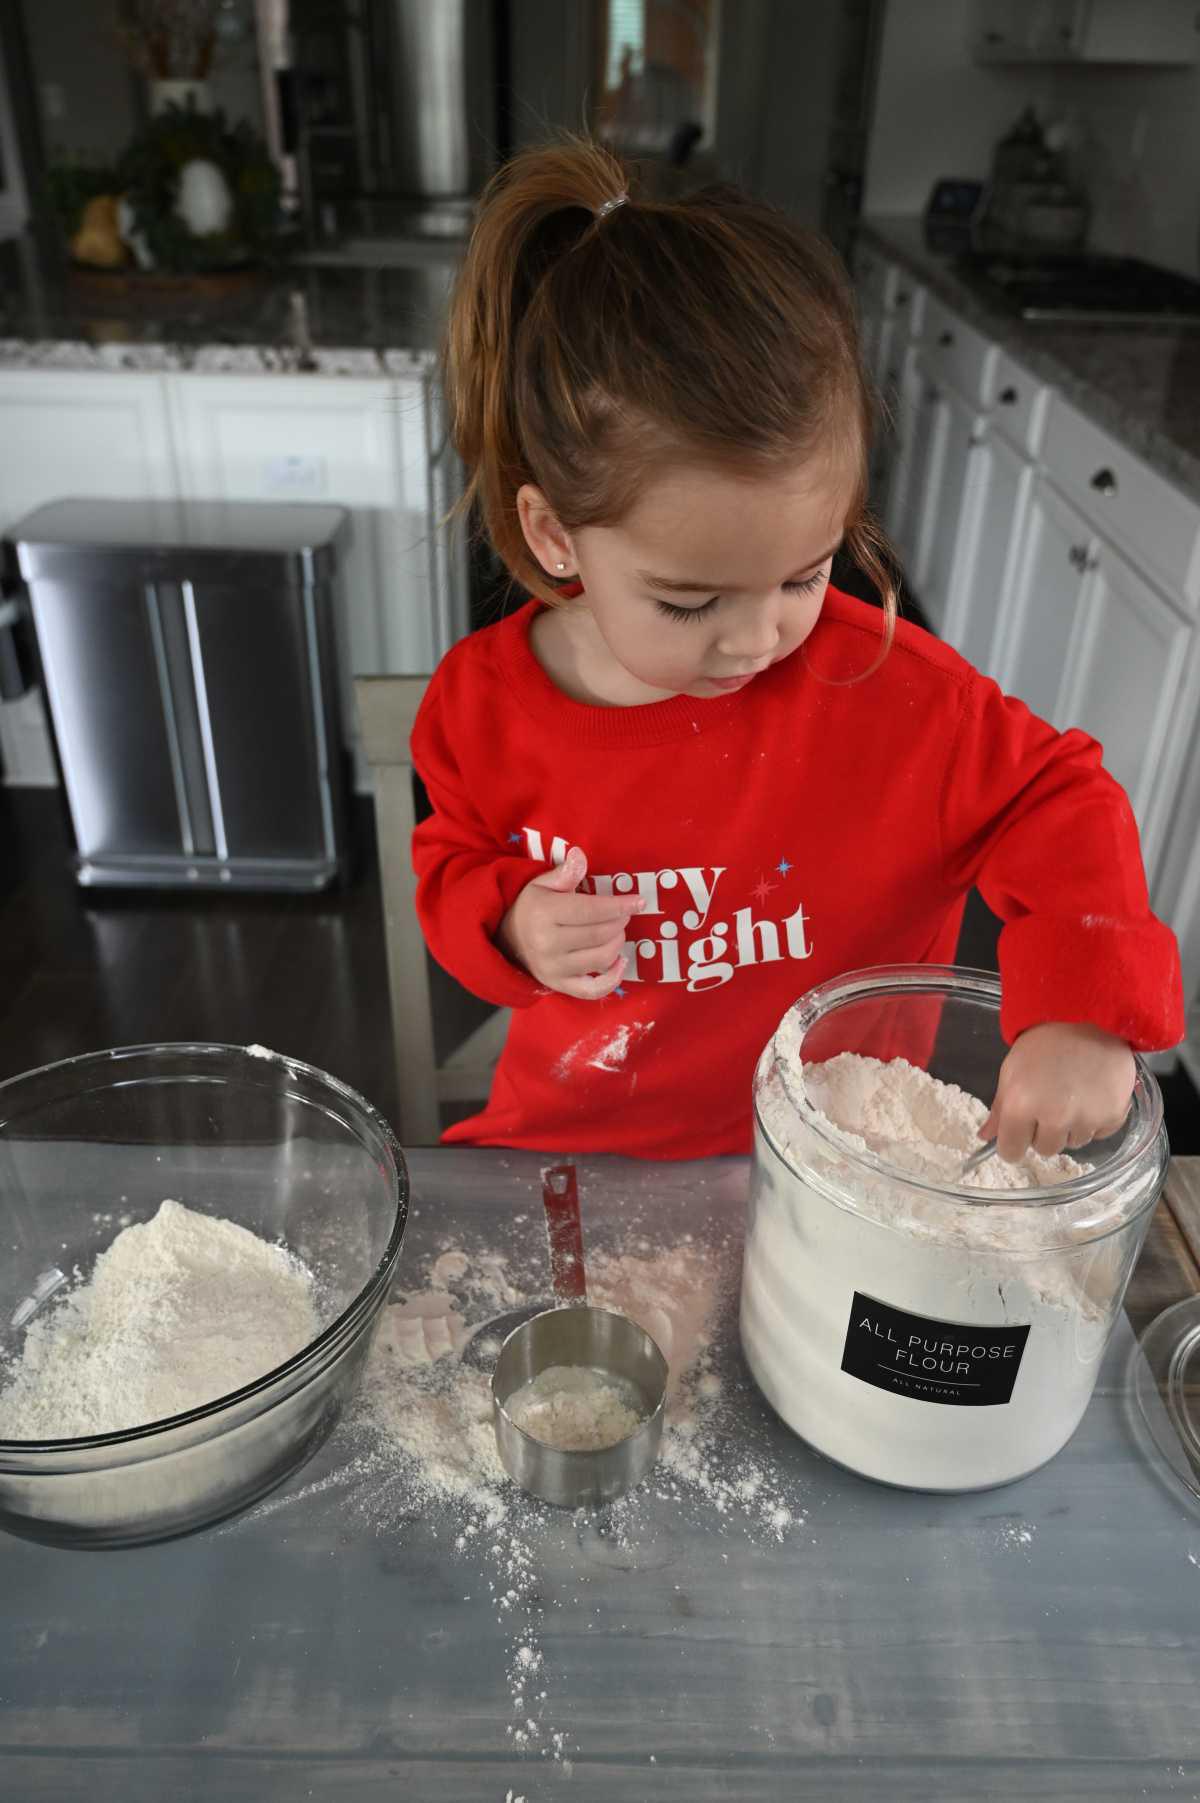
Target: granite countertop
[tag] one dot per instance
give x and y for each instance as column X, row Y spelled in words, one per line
column 1141, row 383
column 340, row 320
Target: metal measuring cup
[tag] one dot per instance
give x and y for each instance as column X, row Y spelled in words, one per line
column 574, row 1333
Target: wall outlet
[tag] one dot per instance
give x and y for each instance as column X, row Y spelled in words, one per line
column 295, row 476
column 54, row 102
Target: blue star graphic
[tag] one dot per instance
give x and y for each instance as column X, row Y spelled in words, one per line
column 514, row 838
column 783, row 867
column 619, row 991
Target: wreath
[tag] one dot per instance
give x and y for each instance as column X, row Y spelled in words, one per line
column 148, row 176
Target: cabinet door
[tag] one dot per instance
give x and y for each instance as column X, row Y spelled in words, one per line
column 1046, row 611
column 73, row 432
column 1175, row 886
column 954, row 514
column 256, row 437
column 983, row 578
column 918, row 513
column 1005, row 30
column 1123, row 685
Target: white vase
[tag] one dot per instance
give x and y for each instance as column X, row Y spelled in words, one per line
column 196, row 94
column 204, row 202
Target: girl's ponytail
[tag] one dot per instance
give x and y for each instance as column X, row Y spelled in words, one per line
column 532, row 212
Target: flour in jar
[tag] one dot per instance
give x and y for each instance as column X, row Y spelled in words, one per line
column 179, row 1311
column 876, row 1312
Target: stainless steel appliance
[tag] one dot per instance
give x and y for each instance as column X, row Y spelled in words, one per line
column 188, row 656
column 391, row 109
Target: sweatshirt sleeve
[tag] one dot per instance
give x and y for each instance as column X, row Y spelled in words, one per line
column 1033, row 820
column 466, row 882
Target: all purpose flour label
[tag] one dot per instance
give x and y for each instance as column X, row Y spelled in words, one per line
column 933, row 1361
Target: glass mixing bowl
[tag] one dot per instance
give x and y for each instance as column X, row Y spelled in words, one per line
column 98, row 1142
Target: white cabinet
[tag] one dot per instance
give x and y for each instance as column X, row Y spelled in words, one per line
column 916, row 515
column 1122, row 684
column 72, row 432
column 1092, row 644
column 1177, row 895
column 375, row 445
column 1085, row 31
column 991, row 545
column 954, row 511
column 1047, row 597
column 354, row 441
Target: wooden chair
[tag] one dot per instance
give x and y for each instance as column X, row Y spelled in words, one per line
column 387, row 708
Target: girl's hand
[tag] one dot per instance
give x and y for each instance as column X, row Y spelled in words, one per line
column 1060, row 1086
column 571, row 943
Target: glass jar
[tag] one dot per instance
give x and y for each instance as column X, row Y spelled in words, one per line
column 919, row 1329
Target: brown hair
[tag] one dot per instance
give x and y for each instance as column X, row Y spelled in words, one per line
column 582, row 351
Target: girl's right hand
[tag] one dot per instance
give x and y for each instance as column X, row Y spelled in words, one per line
column 568, row 942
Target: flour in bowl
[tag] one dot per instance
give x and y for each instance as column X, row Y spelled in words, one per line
column 179, row 1311
column 576, row 1409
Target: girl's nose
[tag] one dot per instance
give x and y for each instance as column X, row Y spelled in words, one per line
column 752, row 631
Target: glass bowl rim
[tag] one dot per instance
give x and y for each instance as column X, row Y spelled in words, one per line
column 343, row 1326
column 961, row 982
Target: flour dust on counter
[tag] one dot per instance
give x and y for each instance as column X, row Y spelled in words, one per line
column 420, row 1451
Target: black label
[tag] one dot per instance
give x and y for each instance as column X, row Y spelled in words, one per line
column 933, row 1361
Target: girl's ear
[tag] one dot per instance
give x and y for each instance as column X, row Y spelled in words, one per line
column 546, row 538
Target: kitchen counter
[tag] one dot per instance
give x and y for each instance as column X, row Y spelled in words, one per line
column 1140, row 383
column 328, row 320
column 1034, row 1641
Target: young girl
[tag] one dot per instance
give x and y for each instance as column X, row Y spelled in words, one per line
column 689, row 779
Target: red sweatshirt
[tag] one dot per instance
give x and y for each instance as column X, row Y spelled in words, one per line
column 781, row 835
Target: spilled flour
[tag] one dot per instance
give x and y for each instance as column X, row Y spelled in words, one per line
column 421, row 1447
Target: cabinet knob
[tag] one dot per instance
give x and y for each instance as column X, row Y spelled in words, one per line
column 1080, row 558
column 1008, row 396
column 902, row 297
column 1104, row 482
column 946, row 339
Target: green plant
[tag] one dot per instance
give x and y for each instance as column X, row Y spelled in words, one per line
column 148, row 174
column 69, row 187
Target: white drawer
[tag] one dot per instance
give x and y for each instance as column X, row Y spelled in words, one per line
column 876, row 279
column 1155, row 523
column 1022, row 402
column 912, row 310
column 959, row 355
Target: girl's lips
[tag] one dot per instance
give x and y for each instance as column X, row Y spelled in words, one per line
column 732, row 682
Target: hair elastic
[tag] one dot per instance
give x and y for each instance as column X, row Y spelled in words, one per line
column 610, row 206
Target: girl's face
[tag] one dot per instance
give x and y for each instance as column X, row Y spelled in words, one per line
column 708, row 582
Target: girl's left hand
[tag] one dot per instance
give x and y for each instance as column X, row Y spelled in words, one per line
column 1060, row 1087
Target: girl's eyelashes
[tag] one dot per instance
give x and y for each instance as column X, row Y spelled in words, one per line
column 809, row 584
column 687, row 613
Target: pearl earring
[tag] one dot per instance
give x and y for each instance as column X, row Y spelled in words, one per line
column 560, row 566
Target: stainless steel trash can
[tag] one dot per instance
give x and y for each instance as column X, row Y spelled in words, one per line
column 188, row 653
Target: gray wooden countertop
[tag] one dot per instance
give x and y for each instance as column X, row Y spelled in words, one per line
column 1038, row 1641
